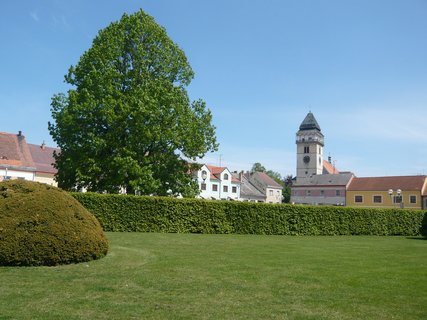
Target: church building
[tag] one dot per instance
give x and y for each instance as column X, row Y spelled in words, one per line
column 318, row 182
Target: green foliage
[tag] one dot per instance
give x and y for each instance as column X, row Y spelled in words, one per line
column 286, row 193
column 128, row 122
column 161, row 214
column 423, row 229
column 43, row 225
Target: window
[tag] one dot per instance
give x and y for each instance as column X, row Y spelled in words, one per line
column 225, row 188
column 214, row 187
column 322, row 192
column 308, row 193
column 271, row 192
column 378, row 199
column 397, row 199
column 234, row 189
column 413, row 199
column 338, row 193
column 7, row 177
column 225, row 176
column 203, row 186
column 306, row 149
column 358, row 199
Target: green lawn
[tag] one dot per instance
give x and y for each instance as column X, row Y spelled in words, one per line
column 190, row 276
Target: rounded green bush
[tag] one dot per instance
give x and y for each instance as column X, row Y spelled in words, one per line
column 44, row 225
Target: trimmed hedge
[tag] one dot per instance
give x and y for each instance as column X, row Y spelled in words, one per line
column 423, row 229
column 161, row 214
column 43, row 225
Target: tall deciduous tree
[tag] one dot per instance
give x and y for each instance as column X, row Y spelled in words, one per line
column 128, row 122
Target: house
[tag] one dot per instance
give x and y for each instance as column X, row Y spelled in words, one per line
column 266, row 185
column 15, row 158
column 217, row 183
column 317, row 182
column 388, row 192
column 248, row 192
column 325, row 189
column 43, row 160
column 20, row 160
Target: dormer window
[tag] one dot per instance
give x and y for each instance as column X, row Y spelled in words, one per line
column 225, row 176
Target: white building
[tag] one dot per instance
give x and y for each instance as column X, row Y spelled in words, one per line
column 217, row 183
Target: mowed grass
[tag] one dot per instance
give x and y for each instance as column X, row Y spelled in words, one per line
column 190, row 276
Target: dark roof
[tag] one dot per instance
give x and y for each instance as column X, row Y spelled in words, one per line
column 404, row 183
column 309, row 123
column 324, row 180
column 265, row 179
column 247, row 189
column 14, row 151
column 43, row 157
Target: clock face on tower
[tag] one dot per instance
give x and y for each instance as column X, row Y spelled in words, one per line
column 306, row 159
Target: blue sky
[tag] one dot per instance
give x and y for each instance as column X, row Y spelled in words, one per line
column 359, row 65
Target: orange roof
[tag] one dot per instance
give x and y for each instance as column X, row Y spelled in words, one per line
column 216, row 172
column 404, row 183
column 329, row 168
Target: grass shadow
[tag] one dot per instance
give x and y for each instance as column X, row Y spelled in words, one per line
column 417, row 238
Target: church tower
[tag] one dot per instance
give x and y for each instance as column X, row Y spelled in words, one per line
column 309, row 140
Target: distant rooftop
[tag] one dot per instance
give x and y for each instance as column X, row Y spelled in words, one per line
column 309, row 123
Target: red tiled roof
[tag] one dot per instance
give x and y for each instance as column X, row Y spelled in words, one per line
column 404, row 183
column 216, row 173
column 215, row 170
column 329, row 168
column 14, row 151
column 43, row 158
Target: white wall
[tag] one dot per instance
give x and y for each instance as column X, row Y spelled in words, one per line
column 224, row 187
column 15, row 174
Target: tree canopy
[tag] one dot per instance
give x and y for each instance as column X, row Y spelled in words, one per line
column 128, row 122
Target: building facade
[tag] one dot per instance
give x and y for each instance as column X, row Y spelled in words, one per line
column 266, row 185
column 408, row 192
column 217, row 183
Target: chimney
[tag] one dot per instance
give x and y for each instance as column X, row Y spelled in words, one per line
column 329, row 159
column 241, row 173
column 19, row 133
column 43, row 145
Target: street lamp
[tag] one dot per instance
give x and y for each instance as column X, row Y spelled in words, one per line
column 398, row 197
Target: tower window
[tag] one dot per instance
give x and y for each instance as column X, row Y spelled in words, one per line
column 306, row 149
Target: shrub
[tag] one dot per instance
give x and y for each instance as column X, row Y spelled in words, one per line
column 43, row 225
column 161, row 214
column 423, row 229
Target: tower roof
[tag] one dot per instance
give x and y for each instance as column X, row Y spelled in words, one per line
column 309, row 123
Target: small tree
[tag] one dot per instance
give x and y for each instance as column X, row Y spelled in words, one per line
column 128, row 121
